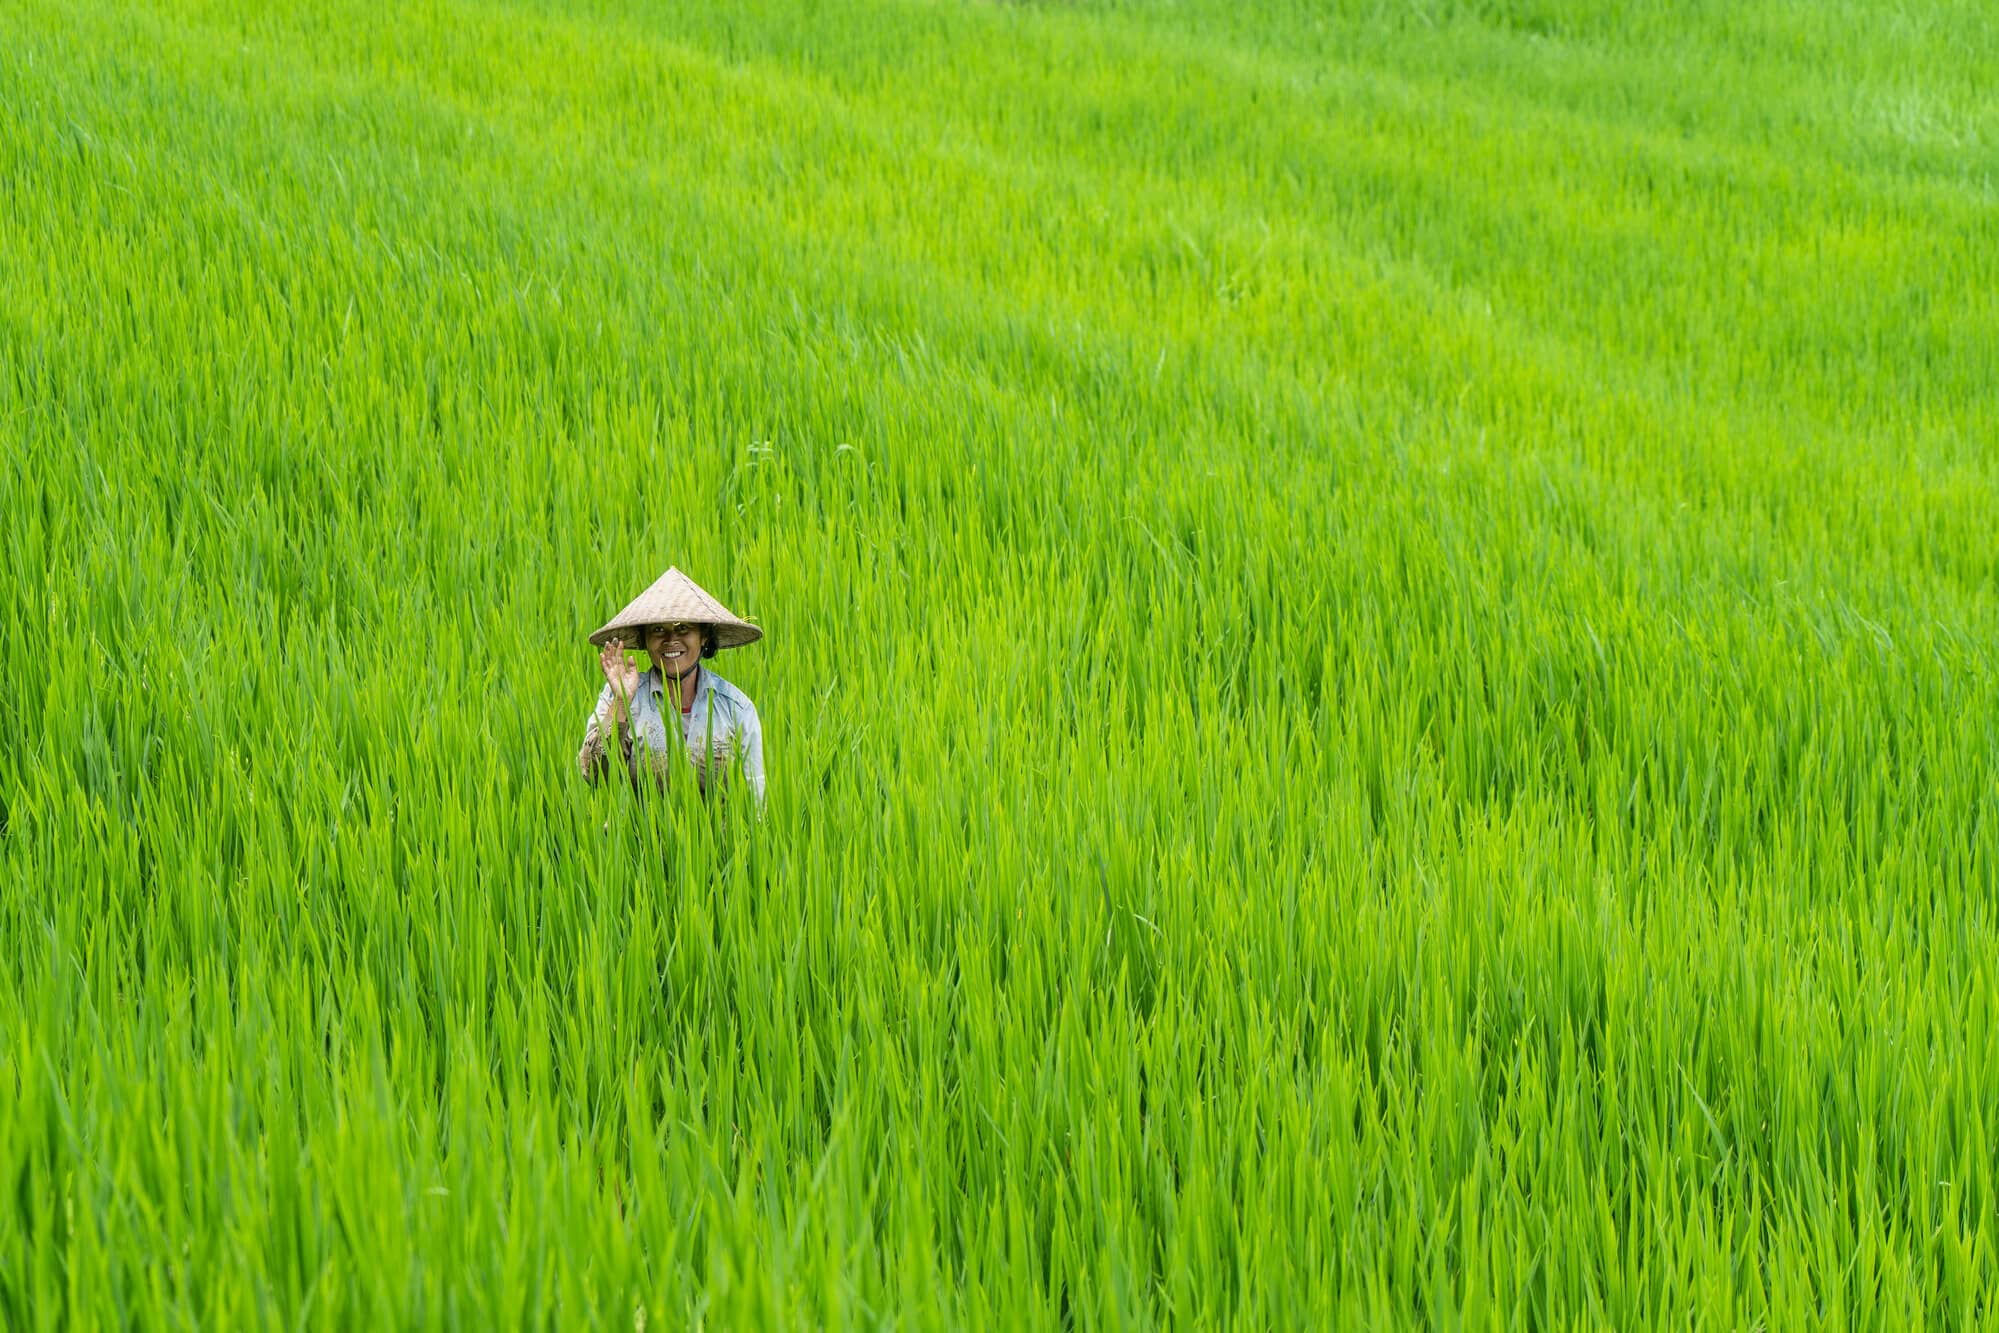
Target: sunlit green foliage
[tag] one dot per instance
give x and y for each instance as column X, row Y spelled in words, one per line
column 1380, row 684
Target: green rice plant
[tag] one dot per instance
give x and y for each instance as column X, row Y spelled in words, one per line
column 1380, row 687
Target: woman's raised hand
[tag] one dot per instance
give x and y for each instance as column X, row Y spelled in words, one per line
column 622, row 675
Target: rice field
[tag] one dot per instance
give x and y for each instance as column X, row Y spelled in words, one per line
column 1380, row 681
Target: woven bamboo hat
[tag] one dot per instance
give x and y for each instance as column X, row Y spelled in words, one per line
column 673, row 596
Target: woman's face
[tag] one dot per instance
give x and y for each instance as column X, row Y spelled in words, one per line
column 675, row 649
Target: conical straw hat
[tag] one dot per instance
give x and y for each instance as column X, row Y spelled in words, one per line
column 674, row 596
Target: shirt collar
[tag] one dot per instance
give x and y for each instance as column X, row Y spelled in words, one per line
column 704, row 685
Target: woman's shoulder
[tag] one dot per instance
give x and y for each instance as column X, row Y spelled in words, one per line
column 727, row 691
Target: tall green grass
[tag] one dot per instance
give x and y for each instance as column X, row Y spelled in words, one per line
column 1380, row 684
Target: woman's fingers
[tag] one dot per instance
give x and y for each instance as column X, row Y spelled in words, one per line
column 612, row 661
column 615, row 667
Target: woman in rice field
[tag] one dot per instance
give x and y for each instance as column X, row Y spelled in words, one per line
column 681, row 627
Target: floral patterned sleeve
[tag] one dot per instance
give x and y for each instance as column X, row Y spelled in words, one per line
column 593, row 761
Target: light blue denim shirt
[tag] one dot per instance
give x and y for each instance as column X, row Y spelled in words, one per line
column 722, row 725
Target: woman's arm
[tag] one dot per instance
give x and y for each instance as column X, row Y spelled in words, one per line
column 612, row 715
column 753, row 753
